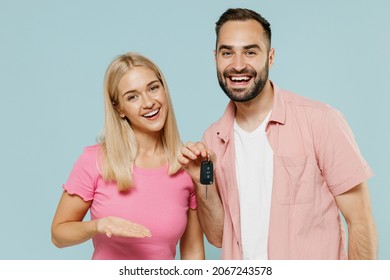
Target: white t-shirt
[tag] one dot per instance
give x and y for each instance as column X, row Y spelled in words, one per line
column 254, row 170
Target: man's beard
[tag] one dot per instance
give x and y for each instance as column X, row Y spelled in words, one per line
column 241, row 94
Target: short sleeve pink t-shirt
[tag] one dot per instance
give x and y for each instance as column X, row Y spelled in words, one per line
column 157, row 201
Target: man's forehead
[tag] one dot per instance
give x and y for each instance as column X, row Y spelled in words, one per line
column 241, row 34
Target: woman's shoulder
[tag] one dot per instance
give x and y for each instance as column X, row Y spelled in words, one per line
column 90, row 154
column 95, row 147
column 92, row 150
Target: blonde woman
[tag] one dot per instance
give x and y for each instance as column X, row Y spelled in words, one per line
column 141, row 202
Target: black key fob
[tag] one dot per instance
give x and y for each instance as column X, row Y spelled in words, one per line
column 206, row 172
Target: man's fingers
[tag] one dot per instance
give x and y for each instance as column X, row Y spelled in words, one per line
column 183, row 161
column 189, row 153
column 194, row 150
column 212, row 155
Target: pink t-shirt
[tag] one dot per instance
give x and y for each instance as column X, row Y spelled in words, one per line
column 157, row 201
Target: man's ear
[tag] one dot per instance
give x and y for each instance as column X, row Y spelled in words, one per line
column 271, row 57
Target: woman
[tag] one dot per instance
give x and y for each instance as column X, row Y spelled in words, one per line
column 141, row 202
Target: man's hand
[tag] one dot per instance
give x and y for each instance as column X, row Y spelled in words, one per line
column 192, row 155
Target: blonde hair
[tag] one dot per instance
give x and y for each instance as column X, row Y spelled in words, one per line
column 118, row 141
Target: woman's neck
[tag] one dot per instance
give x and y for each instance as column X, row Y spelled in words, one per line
column 150, row 151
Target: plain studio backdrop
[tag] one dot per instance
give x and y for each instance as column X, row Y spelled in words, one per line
column 53, row 55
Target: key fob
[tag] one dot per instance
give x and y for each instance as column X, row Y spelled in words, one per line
column 206, row 172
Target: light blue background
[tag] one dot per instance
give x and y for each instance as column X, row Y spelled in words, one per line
column 53, row 55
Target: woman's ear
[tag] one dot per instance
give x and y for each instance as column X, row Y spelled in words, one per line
column 121, row 114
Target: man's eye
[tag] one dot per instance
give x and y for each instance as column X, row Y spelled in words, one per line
column 226, row 53
column 251, row 53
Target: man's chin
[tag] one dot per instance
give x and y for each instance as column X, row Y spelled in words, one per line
column 238, row 97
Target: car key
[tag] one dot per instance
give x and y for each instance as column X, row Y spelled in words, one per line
column 206, row 173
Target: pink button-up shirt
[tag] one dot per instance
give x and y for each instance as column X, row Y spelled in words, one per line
column 315, row 158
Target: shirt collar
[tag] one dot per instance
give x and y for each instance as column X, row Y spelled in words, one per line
column 278, row 114
column 279, row 107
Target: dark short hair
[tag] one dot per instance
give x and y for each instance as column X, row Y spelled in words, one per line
column 240, row 14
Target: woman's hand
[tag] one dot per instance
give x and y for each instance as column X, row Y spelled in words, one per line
column 114, row 226
column 68, row 227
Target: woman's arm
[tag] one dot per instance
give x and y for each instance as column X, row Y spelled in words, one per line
column 68, row 227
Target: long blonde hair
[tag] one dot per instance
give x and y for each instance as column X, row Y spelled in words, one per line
column 118, row 141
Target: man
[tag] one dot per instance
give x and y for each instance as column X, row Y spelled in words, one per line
column 284, row 165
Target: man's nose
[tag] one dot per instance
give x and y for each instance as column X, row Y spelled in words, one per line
column 239, row 63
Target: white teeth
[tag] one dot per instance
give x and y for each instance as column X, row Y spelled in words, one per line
column 151, row 113
column 239, row 79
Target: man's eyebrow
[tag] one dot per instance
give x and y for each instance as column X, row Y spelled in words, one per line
column 228, row 47
column 225, row 47
column 253, row 46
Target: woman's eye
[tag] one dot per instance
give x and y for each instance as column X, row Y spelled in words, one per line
column 131, row 97
column 154, row 88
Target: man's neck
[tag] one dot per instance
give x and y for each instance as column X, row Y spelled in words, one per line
column 249, row 115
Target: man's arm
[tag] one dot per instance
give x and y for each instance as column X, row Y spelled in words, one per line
column 210, row 213
column 210, row 210
column 362, row 235
column 191, row 243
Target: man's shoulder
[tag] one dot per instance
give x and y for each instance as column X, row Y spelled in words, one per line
column 301, row 101
column 314, row 111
